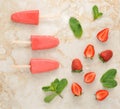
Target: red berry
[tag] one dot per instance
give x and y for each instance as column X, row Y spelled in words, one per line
column 101, row 94
column 89, row 77
column 76, row 89
column 76, row 65
column 105, row 55
column 103, row 35
column 89, row 51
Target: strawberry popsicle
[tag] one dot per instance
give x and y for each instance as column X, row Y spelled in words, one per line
column 40, row 42
column 40, row 65
column 43, row 42
column 26, row 17
column 43, row 65
column 30, row 17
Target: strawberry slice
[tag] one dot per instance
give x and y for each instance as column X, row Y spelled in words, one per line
column 76, row 89
column 106, row 55
column 101, row 94
column 89, row 77
column 89, row 51
column 103, row 35
column 76, row 65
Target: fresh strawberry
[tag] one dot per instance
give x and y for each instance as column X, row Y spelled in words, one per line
column 101, row 94
column 76, row 89
column 105, row 55
column 103, row 35
column 89, row 51
column 89, row 77
column 76, row 65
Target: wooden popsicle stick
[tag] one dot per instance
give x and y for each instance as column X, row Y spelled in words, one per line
column 21, row 66
column 49, row 16
column 21, row 42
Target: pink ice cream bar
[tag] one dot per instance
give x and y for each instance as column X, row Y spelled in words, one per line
column 43, row 65
column 39, row 42
column 43, row 42
column 26, row 17
column 40, row 65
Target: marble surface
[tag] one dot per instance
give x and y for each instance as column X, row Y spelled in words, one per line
column 19, row 89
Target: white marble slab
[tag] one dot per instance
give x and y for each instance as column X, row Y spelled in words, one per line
column 19, row 89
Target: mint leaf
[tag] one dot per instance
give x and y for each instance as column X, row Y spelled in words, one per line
column 49, row 98
column 96, row 12
column 110, row 74
column 75, row 27
column 55, row 83
column 110, row 84
column 62, row 84
column 52, row 87
column 47, row 88
column 108, row 77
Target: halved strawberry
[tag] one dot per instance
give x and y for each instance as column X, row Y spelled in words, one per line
column 89, row 51
column 89, row 77
column 103, row 35
column 76, row 65
column 106, row 55
column 101, row 94
column 76, row 89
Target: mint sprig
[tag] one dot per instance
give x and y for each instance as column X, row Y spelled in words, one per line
column 96, row 13
column 108, row 79
column 56, row 88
